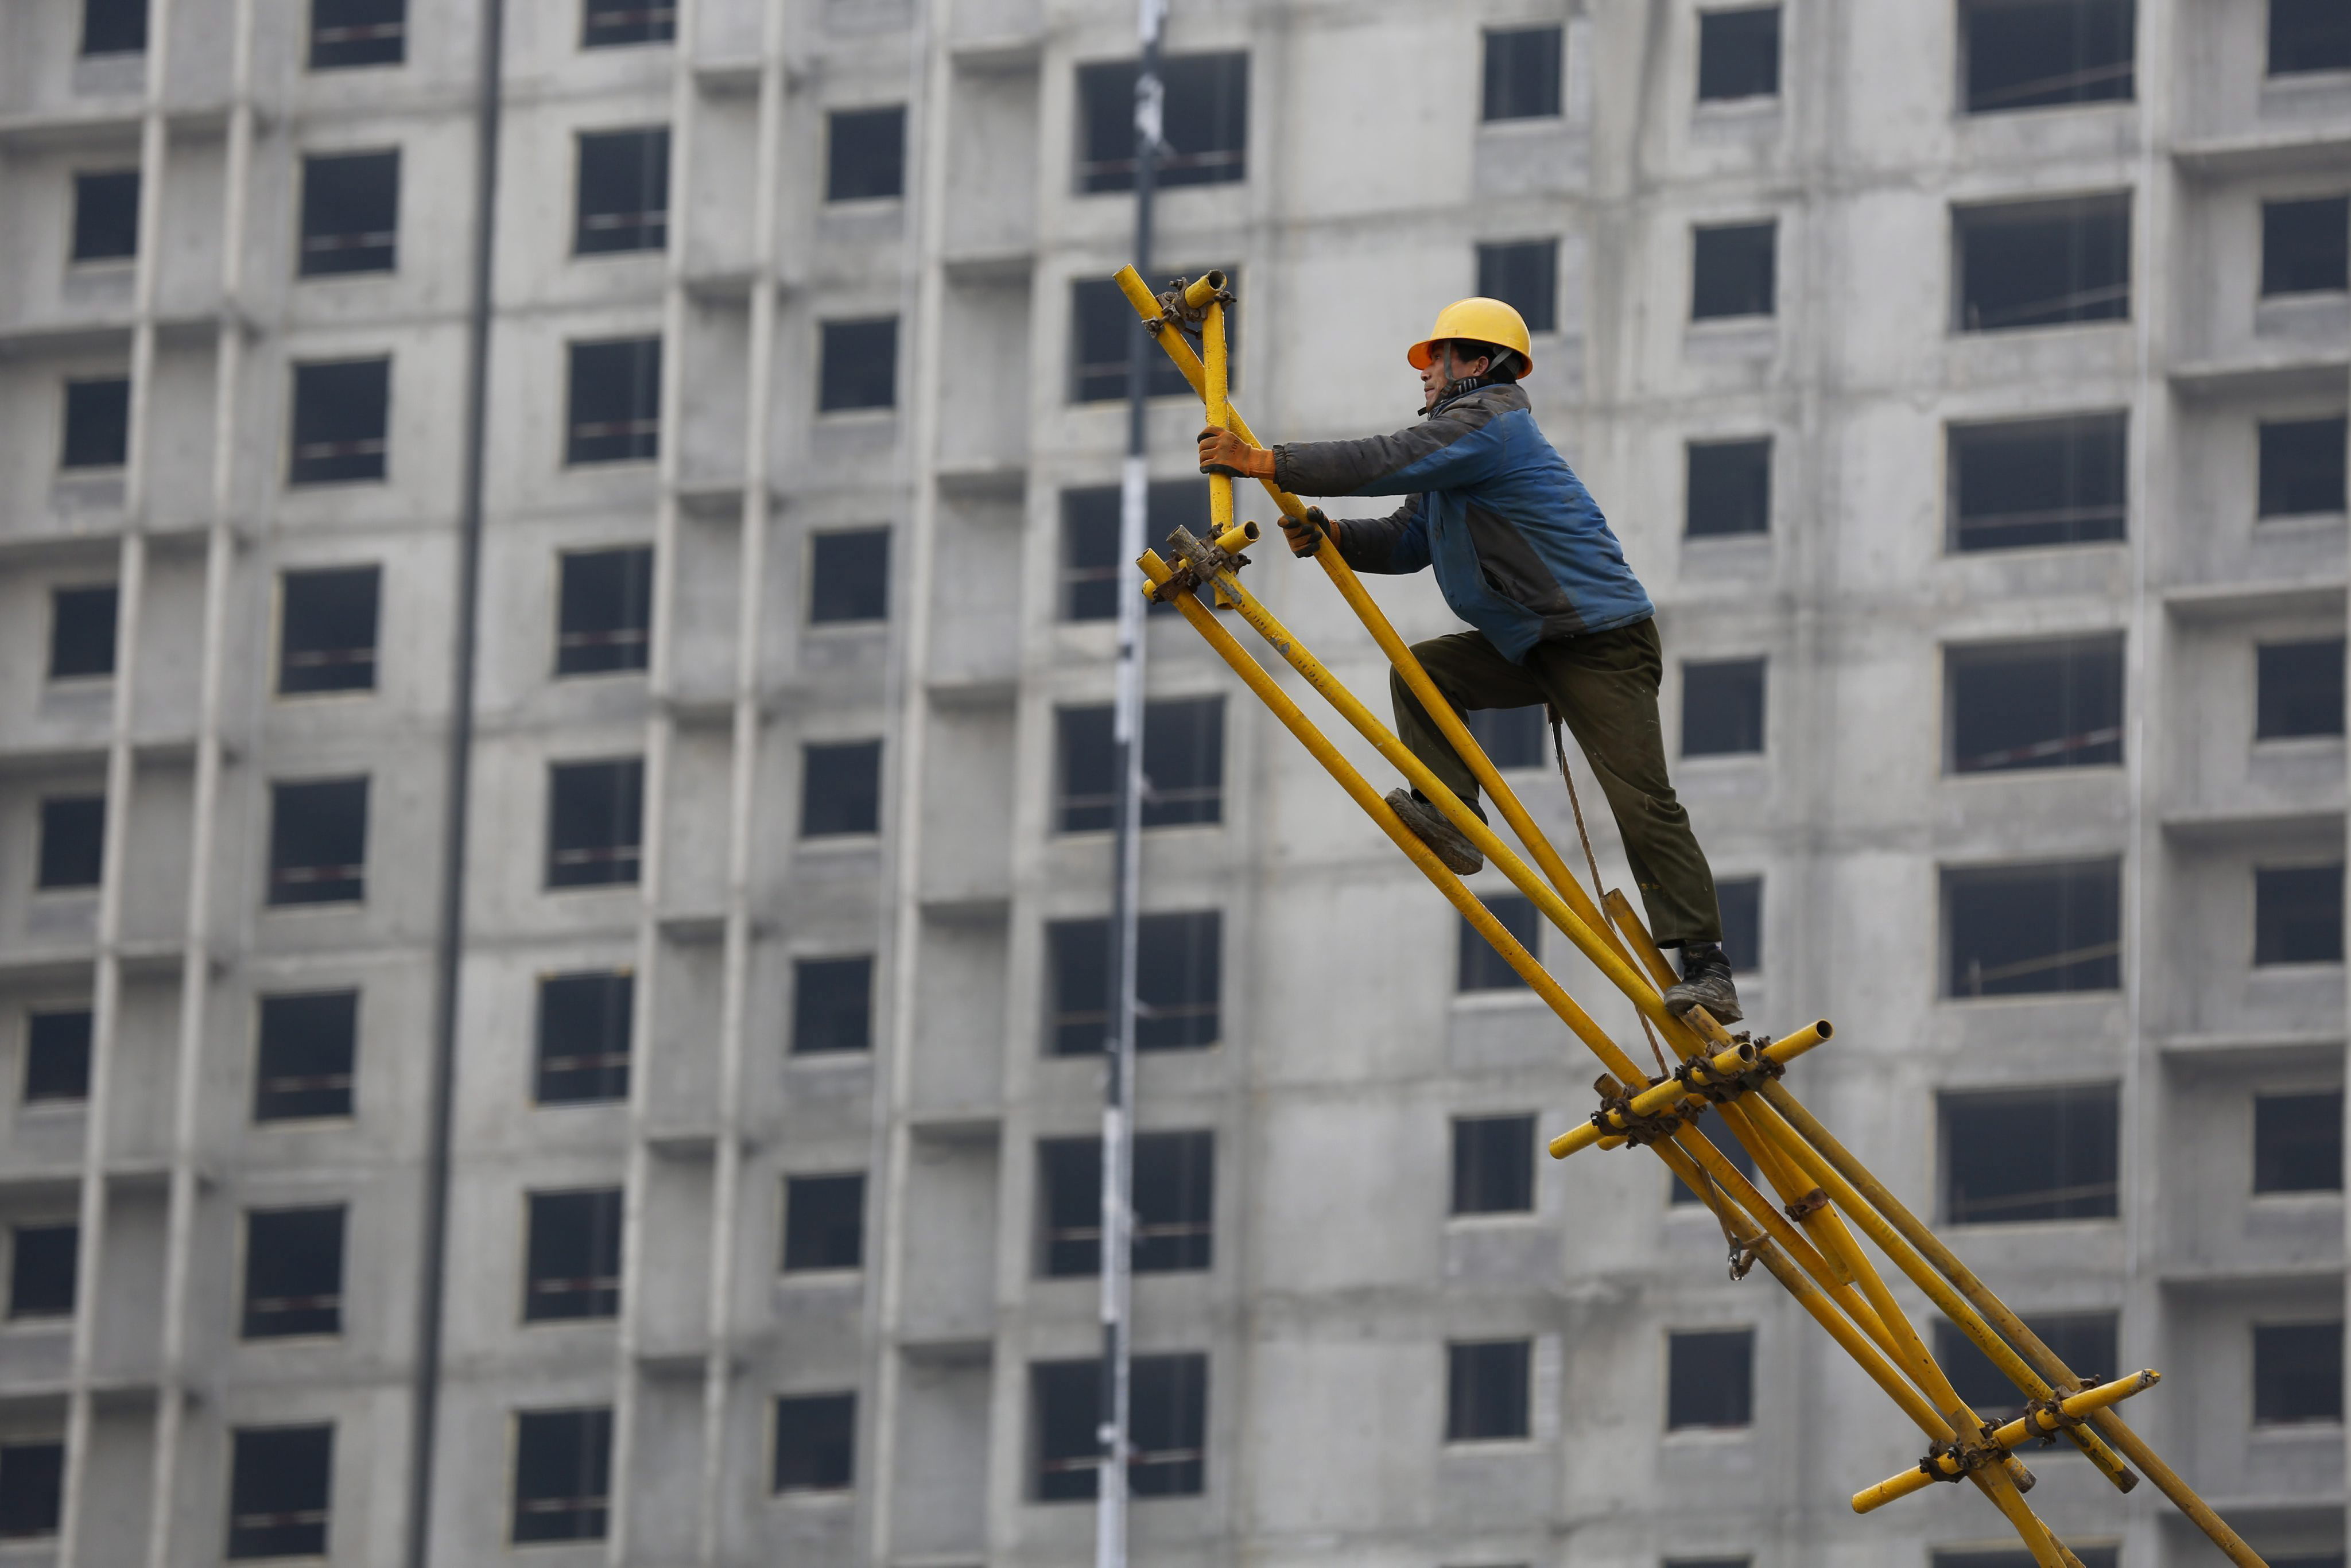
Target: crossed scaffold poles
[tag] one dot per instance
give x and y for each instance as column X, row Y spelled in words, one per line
column 1806, row 1239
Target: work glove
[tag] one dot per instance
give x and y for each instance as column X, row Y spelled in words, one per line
column 1222, row 452
column 1305, row 534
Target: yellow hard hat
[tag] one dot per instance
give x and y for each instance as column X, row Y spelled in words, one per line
column 1484, row 320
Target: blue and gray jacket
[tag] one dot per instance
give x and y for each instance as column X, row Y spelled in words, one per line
column 1521, row 549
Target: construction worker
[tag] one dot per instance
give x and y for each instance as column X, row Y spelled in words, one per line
column 1522, row 554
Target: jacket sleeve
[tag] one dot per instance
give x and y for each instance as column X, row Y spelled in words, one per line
column 1437, row 453
column 1394, row 544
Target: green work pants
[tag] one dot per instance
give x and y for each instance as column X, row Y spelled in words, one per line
column 1605, row 685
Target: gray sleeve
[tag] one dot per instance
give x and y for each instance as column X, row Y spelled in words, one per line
column 1393, row 544
column 1351, row 467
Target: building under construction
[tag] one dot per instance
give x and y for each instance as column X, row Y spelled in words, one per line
column 557, row 575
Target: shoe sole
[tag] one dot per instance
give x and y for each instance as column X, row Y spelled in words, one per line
column 1424, row 822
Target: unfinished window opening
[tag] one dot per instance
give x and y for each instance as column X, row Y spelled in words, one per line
column 2308, row 35
column 81, row 633
column 1709, row 1562
column 1204, row 119
column 2297, row 1373
column 2013, row 706
column 595, row 823
column 2298, row 914
column 73, row 843
column 1728, row 492
column 349, row 33
column 307, row 1056
column 2015, row 1155
column 113, row 26
column 562, row 1485
column 1102, row 329
column 1739, row 54
column 816, row 1442
column 840, row 788
column 1176, row 980
column 32, row 1490
column 280, row 1482
column 43, row 1260
column 1064, row 1401
column 1494, row 1165
column 865, row 155
column 584, row 1024
column 1167, row 1427
column 2306, row 247
column 857, row 365
column 1174, row 1195
column 326, row 634
column 293, row 1272
column 1511, row 736
column 2029, row 54
column 318, row 842
column 832, row 1005
column 1183, row 766
column 350, row 213
column 2020, row 930
column 1523, row 275
column 2086, row 1341
column 849, row 577
column 1523, row 67
column 1487, row 1392
column 341, row 415
column 623, row 191
column 106, row 215
column 1722, row 707
column 824, row 1222
column 1095, row 570
column 1734, row 271
column 1069, row 1203
column 1476, row 967
column 2042, row 264
column 2298, row 1142
column 574, row 1256
column 604, row 617
column 2302, row 467
column 615, row 401
column 2007, row 1557
column 1741, row 900
column 2021, row 483
column 1717, row 1133
column 2298, row 689
column 1710, row 1380
column 97, row 424
column 57, row 1056
column 615, row 24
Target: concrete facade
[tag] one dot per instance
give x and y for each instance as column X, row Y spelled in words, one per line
column 1344, row 1051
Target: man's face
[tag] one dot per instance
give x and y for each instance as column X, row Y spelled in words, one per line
column 1444, row 370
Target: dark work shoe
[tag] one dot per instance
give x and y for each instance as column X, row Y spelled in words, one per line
column 1451, row 844
column 1705, row 983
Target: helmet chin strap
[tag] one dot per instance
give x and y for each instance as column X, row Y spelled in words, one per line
column 1455, row 386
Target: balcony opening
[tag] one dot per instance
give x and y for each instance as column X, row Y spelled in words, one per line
column 605, row 614
column 615, row 401
column 73, row 843
column 824, row 1222
column 279, row 1492
column 307, row 1057
column 293, row 1272
column 2042, row 264
column 57, row 1056
column 840, row 788
column 2298, row 1142
column 2306, row 247
column 2010, row 1156
column 2298, row 689
column 1183, row 766
column 595, row 823
column 1493, row 1164
column 1167, row 1427
column 1102, row 328
column 1728, row 492
column 1741, row 900
column 584, row 1024
column 113, row 26
column 341, row 415
column 857, row 364
column 1710, row 1380
column 1523, row 275
column 2302, row 467
column 2308, row 35
column 1523, row 70
column 43, row 1260
column 2086, row 1341
column 1476, row 967
column 2014, row 706
column 816, row 1442
column 623, row 191
column 1739, row 54
column 832, row 1005
column 865, row 155
column 2298, row 1374
column 2029, row 54
column 1174, row 1196
column 1177, row 983
column 350, row 213
column 1511, row 736
column 616, row 23
column 1722, row 707
column 574, row 1256
column 327, row 633
column 1487, row 1390
column 2298, row 914
column 106, row 215
column 1095, row 570
column 1734, row 271
column 318, row 842
column 562, row 1475
column 81, row 633
column 2021, row 483
column 1204, row 118
column 2020, row 930
column 849, row 576
column 349, row 33
column 1726, row 1143
column 97, row 424
column 32, row 1490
